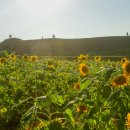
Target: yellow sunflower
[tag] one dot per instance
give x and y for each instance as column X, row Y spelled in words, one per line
column 97, row 58
column 25, row 57
column 77, row 86
column 82, row 108
column 120, row 80
column 33, row 58
column 83, row 69
column 3, row 60
column 126, row 69
column 123, row 60
column 12, row 56
column 128, row 121
column 82, row 58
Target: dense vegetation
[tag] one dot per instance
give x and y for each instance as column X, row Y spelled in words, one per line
column 55, row 94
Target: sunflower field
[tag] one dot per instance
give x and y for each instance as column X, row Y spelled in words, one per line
column 60, row 94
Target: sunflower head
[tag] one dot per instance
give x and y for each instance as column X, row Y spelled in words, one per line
column 82, row 108
column 128, row 121
column 36, row 125
column 25, row 57
column 83, row 69
column 123, row 60
column 12, row 56
column 77, row 86
column 97, row 58
column 3, row 60
column 33, row 58
column 120, row 80
column 82, row 58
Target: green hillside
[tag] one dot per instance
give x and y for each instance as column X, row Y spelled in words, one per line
column 116, row 45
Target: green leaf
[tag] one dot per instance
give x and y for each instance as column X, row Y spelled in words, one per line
column 69, row 113
column 57, row 100
column 55, row 125
column 109, row 73
column 106, row 91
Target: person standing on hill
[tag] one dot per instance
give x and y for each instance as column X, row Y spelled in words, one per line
column 127, row 34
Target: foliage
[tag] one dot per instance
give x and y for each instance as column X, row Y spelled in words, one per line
column 41, row 95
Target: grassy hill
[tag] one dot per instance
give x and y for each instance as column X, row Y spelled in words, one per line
column 116, row 45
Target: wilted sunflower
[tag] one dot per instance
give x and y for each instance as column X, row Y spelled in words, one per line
column 12, row 56
column 33, row 58
column 83, row 69
column 82, row 58
column 97, row 58
column 3, row 60
column 120, row 80
column 77, row 86
column 82, row 108
column 127, row 69
column 128, row 121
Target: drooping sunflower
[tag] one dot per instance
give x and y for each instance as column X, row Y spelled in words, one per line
column 82, row 58
column 127, row 69
column 12, row 56
column 82, row 108
column 128, row 121
column 120, row 80
column 33, row 58
column 83, row 69
column 77, row 86
column 3, row 60
column 97, row 58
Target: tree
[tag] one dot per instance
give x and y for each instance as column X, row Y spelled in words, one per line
column 53, row 36
column 10, row 36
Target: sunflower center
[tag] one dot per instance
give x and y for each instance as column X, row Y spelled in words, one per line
column 121, row 80
column 85, row 69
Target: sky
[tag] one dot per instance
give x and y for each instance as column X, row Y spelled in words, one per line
column 34, row 19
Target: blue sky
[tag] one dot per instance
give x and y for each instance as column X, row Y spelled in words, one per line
column 32, row 19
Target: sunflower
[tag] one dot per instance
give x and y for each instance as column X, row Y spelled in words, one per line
column 97, row 58
column 25, row 57
column 128, row 121
column 82, row 58
column 35, row 125
column 12, row 56
column 33, row 58
column 120, row 80
column 3, row 60
column 82, row 108
column 77, row 86
column 83, row 69
column 126, row 69
column 123, row 60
